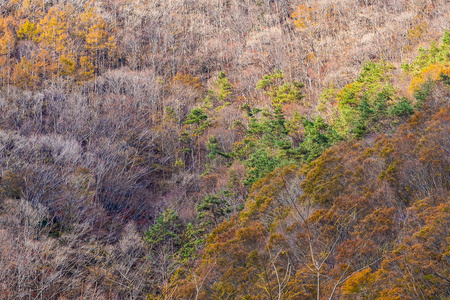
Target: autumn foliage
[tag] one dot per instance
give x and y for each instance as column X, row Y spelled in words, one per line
column 217, row 149
column 366, row 219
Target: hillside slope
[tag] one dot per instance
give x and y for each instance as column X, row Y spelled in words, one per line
column 224, row 149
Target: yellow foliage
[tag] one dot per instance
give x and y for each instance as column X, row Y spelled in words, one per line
column 111, row 45
column 87, row 69
column 23, row 74
column 311, row 56
column 95, row 37
column 188, row 80
column 302, row 16
column 60, row 40
column 432, row 72
column 356, row 283
column 43, row 63
column 415, row 33
column 92, row 28
column 7, row 36
column 53, row 30
column 27, row 30
column 67, row 64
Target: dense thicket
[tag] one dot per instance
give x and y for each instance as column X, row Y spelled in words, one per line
column 366, row 220
column 224, row 149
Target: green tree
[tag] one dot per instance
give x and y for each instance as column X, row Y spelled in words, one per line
column 318, row 136
column 213, row 208
column 165, row 233
column 225, row 90
column 199, row 118
column 402, row 108
column 281, row 93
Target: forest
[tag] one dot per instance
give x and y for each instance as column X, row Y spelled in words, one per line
column 224, row 149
